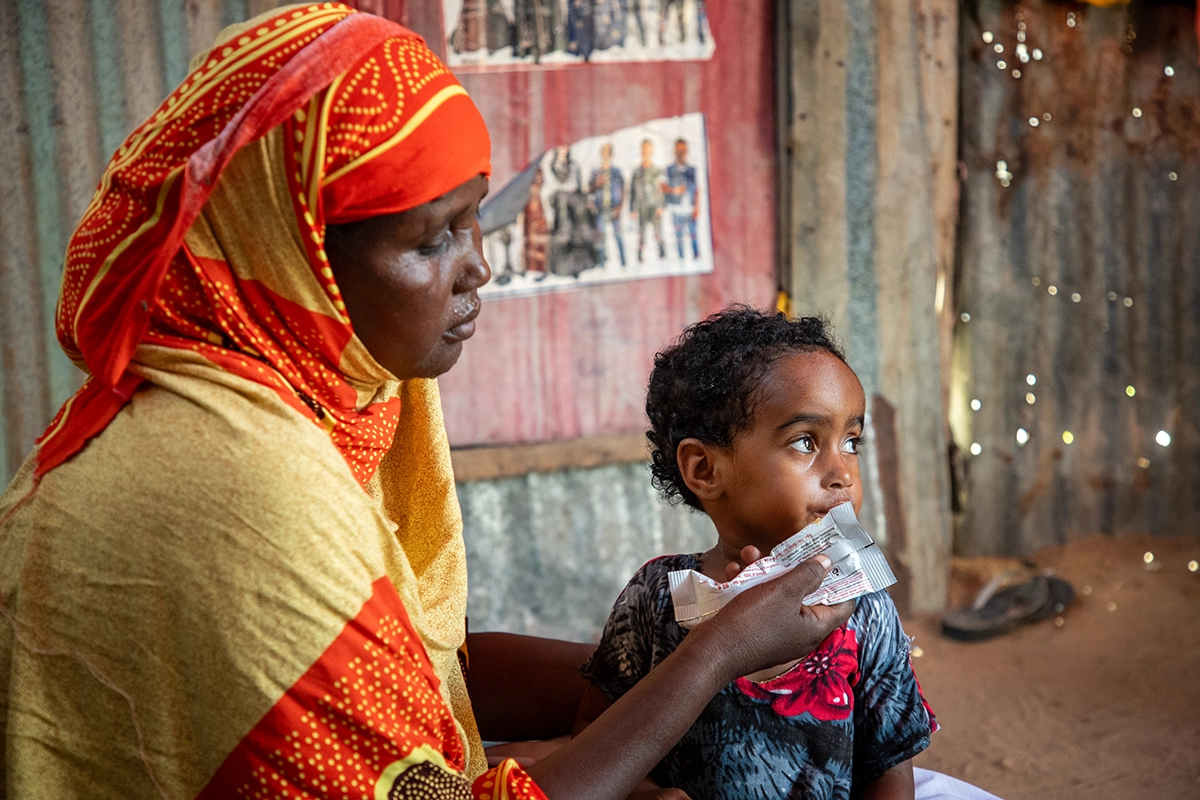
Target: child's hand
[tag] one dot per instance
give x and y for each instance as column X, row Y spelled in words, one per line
column 649, row 790
column 749, row 555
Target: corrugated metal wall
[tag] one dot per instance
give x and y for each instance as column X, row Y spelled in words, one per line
column 549, row 552
column 75, row 77
column 868, row 128
column 1079, row 267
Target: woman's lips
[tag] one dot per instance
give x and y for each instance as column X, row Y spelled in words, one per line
column 462, row 331
column 465, row 329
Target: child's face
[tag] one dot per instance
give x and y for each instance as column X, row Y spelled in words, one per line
column 799, row 457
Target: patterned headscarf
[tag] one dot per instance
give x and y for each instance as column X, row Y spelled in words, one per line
column 206, row 233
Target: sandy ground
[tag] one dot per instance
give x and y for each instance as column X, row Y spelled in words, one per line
column 1104, row 705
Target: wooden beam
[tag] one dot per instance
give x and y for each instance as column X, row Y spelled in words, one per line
column 506, row 461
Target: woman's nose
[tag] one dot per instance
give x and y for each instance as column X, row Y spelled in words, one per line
column 475, row 271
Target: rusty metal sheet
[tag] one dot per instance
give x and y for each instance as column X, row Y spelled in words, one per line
column 1077, row 352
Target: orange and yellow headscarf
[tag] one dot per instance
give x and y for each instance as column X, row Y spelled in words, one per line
column 348, row 116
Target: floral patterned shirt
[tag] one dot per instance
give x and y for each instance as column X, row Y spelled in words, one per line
column 837, row 720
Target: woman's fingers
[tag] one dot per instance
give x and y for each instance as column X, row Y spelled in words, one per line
column 769, row 624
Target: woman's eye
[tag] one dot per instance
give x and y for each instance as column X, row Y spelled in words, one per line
column 804, row 444
column 436, row 247
column 851, row 446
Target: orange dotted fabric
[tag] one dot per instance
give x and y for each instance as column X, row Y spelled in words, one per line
column 507, row 781
column 370, row 702
column 348, row 90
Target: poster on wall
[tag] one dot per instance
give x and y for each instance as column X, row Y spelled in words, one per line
column 507, row 33
column 632, row 204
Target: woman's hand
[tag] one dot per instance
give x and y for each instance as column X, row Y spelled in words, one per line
column 768, row 624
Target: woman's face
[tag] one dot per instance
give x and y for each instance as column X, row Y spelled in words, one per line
column 410, row 281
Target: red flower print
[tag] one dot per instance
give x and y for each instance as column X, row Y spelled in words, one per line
column 820, row 685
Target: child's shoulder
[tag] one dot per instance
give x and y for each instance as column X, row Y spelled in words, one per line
column 651, row 583
column 876, row 623
column 660, row 567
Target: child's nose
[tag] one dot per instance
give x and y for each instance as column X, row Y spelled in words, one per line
column 838, row 472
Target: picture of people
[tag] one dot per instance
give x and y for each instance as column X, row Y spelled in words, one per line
column 681, row 199
column 567, row 218
column 506, row 33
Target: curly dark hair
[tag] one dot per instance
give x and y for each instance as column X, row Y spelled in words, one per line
column 703, row 385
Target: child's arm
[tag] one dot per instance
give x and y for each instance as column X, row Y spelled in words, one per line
column 895, row 784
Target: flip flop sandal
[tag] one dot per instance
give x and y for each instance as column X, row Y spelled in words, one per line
column 1002, row 606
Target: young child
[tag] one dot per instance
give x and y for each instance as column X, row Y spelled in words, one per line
column 757, row 421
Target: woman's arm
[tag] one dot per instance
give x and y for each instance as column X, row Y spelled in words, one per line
column 608, row 758
column 895, row 784
column 524, row 687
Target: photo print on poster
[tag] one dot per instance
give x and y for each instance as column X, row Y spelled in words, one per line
column 507, row 33
column 632, row 204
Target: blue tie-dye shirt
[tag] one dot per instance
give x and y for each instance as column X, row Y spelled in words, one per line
column 836, row 721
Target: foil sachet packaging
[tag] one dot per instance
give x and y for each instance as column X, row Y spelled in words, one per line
column 859, row 568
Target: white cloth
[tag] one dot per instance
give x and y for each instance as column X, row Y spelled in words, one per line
column 937, row 786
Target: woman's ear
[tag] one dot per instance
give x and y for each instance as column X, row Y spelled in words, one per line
column 697, row 464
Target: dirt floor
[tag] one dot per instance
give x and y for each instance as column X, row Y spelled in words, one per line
column 1103, row 703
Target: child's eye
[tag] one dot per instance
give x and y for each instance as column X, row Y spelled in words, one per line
column 852, row 445
column 804, row 444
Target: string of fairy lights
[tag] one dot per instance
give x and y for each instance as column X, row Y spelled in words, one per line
column 1012, row 58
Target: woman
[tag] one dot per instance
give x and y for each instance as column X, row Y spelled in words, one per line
column 233, row 564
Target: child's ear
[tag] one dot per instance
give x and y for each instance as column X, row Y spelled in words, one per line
column 697, row 464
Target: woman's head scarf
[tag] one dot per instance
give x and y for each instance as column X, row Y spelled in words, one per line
column 200, row 259
column 206, row 233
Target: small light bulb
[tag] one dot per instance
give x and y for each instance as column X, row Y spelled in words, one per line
column 976, row 448
column 1030, row 398
column 1052, row 290
column 1037, row 54
column 1193, row 566
column 1112, row 295
column 916, row 651
column 1163, row 438
column 1137, row 112
column 1169, row 71
column 1068, row 437
column 1022, row 436
column 1031, row 379
column 1016, row 73
column 1033, row 122
column 1075, row 297
column 1037, row 281
column 976, row 405
column 1144, row 463
column 1129, row 390
column 988, row 37
column 1147, row 557
column 1173, row 176
column 965, row 317
column 1112, row 606
column 999, row 48
column 1002, row 64
column 1046, row 116
column 1129, row 302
